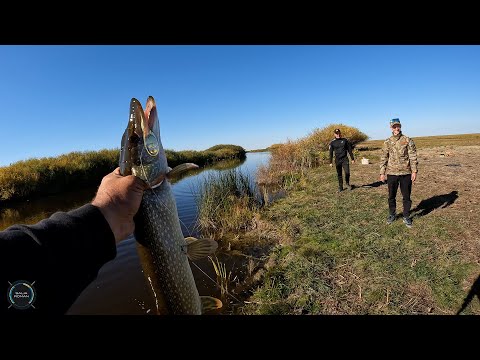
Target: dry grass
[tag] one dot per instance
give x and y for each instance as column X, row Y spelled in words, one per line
column 290, row 160
column 441, row 174
column 447, row 141
column 338, row 256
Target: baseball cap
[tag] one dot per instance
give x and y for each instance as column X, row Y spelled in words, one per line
column 337, row 131
column 395, row 121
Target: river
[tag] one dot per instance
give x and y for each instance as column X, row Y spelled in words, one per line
column 120, row 288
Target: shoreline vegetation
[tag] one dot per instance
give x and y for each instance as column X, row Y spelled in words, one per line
column 259, row 150
column 37, row 177
column 315, row 251
column 312, row 250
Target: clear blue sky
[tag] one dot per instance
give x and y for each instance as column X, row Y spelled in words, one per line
column 57, row 99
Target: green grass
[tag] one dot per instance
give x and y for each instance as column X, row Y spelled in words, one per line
column 227, row 201
column 342, row 258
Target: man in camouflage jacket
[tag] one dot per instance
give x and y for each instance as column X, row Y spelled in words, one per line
column 399, row 163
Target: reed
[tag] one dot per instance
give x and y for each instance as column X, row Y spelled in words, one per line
column 290, row 160
column 227, row 201
column 223, row 277
column 52, row 175
column 43, row 176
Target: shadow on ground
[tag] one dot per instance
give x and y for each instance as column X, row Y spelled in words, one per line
column 475, row 290
column 374, row 184
column 438, row 201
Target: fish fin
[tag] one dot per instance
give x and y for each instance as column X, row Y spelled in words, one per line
column 200, row 248
column 179, row 169
column 210, row 303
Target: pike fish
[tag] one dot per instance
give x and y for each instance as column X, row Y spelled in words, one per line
column 162, row 248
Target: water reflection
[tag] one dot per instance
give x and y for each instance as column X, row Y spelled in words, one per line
column 32, row 211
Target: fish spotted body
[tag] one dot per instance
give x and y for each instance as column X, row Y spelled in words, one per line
column 162, row 247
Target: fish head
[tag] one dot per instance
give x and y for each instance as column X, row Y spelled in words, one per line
column 142, row 153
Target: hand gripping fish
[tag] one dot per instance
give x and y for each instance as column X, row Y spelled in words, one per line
column 162, row 248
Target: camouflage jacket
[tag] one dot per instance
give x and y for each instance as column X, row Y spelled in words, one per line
column 399, row 156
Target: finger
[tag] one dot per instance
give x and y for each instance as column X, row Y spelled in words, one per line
column 117, row 171
column 142, row 184
column 137, row 182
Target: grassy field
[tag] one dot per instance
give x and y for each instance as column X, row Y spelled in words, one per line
column 333, row 253
column 431, row 141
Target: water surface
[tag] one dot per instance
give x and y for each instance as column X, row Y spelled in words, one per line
column 120, row 287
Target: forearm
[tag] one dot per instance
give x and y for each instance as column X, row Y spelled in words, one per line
column 351, row 154
column 350, row 150
column 412, row 156
column 62, row 254
column 383, row 168
column 384, row 160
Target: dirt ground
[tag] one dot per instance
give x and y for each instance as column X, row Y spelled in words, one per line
column 447, row 183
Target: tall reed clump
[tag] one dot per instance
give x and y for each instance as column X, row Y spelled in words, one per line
column 289, row 160
column 223, row 278
column 227, row 201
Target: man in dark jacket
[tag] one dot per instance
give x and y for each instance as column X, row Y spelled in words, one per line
column 44, row 267
column 341, row 146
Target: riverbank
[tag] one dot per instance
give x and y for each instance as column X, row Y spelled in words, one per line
column 333, row 253
column 37, row 177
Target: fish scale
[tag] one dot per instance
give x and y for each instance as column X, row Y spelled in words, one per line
column 162, row 247
column 157, row 216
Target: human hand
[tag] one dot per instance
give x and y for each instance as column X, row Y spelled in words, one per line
column 414, row 176
column 118, row 198
column 382, row 178
column 331, row 164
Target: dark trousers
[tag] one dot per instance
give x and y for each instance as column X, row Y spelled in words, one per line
column 346, row 167
column 405, row 182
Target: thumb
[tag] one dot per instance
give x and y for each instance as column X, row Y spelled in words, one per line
column 135, row 183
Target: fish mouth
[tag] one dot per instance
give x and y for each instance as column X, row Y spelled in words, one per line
column 141, row 145
column 144, row 121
